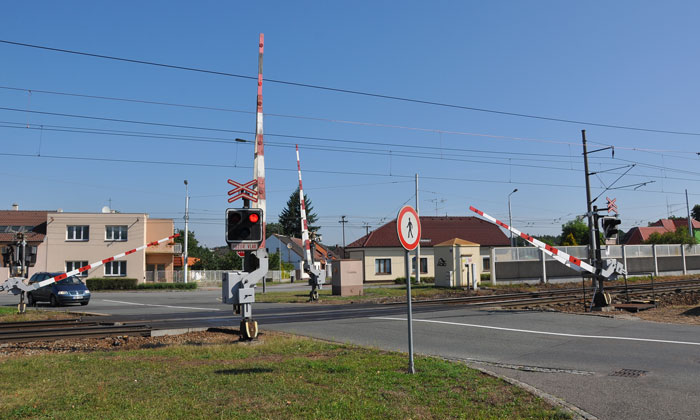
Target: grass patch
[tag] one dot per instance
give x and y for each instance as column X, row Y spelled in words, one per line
column 9, row 314
column 371, row 294
column 276, row 377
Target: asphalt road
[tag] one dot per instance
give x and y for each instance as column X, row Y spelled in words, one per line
column 574, row 357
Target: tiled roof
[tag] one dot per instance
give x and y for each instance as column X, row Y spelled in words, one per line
column 637, row 235
column 35, row 218
column 435, row 230
column 177, row 261
column 298, row 248
column 672, row 224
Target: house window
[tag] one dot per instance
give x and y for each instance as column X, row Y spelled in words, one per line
column 116, row 233
column 382, row 266
column 74, row 265
column 486, row 263
column 423, row 265
column 115, row 268
column 78, row 233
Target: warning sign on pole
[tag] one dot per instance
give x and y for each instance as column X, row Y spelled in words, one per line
column 408, row 228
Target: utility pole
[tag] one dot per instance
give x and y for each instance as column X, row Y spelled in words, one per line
column 366, row 226
column 593, row 251
column 417, row 247
column 187, row 218
column 690, row 221
column 343, row 222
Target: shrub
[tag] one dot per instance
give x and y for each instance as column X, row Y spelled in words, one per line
column 121, row 283
column 485, row 276
column 180, row 286
column 402, row 280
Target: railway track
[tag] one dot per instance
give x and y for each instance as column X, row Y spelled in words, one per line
column 564, row 295
column 72, row 328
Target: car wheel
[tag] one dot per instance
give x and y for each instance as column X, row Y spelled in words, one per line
column 83, row 303
column 54, row 301
column 30, row 300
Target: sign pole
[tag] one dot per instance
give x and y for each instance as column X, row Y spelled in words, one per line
column 408, row 230
column 411, row 367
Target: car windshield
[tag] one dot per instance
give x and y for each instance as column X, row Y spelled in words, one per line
column 70, row 280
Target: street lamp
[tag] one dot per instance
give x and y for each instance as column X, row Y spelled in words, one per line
column 510, row 217
column 187, row 218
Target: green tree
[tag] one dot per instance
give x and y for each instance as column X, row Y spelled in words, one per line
column 290, row 218
column 680, row 236
column 695, row 213
column 272, row 228
column 194, row 250
column 578, row 230
column 569, row 240
column 549, row 239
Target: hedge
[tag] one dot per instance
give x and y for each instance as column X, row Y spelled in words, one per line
column 402, row 280
column 123, row 283
column 187, row 286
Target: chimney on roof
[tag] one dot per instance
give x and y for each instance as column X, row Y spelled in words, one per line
column 15, row 206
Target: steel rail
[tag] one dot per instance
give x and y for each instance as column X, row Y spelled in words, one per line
column 553, row 294
column 80, row 331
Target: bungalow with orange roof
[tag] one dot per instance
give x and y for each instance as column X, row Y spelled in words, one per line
column 383, row 256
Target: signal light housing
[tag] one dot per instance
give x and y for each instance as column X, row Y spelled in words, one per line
column 610, row 226
column 244, row 226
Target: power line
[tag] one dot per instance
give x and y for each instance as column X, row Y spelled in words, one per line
column 380, row 152
column 89, row 117
column 351, row 91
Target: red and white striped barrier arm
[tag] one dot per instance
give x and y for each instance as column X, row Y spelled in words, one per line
column 304, row 224
column 561, row 256
column 259, row 161
column 105, row 261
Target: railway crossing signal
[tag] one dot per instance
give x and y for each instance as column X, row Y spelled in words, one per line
column 610, row 226
column 244, row 226
column 612, row 207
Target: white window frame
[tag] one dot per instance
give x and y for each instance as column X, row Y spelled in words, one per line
column 84, row 233
column 120, row 269
column 119, row 233
column 74, row 265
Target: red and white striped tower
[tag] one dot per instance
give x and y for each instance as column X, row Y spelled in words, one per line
column 304, row 224
column 259, row 162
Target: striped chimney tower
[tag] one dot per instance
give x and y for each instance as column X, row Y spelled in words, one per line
column 304, row 224
column 259, row 162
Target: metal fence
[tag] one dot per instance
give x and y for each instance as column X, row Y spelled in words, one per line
column 513, row 264
column 610, row 251
column 205, row 276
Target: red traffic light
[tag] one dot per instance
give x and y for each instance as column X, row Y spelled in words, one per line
column 253, row 217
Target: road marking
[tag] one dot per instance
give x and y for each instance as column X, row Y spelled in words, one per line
column 161, row 306
column 602, row 337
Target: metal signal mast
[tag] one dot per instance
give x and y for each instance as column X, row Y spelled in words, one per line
column 245, row 227
column 317, row 276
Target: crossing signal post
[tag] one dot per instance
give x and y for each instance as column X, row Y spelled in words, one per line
column 244, row 226
column 610, row 224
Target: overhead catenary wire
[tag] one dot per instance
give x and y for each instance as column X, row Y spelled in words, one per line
column 343, row 121
column 180, row 126
column 375, row 174
column 380, row 152
column 351, row 91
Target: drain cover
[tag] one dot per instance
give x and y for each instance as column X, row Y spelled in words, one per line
column 629, row 373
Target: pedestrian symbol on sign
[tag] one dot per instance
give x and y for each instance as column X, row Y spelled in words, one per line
column 410, row 228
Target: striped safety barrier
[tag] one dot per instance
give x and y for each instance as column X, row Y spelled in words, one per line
column 559, row 255
column 105, row 261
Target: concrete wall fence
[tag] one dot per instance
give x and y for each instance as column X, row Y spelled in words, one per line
column 528, row 263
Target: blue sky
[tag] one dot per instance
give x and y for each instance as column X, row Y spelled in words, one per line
column 618, row 63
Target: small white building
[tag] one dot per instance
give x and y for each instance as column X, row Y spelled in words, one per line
column 383, row 256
